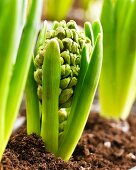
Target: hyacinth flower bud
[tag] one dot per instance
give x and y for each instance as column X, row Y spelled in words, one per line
column 71, row 42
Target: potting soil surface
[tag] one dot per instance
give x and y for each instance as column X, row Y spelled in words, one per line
column 105, row 145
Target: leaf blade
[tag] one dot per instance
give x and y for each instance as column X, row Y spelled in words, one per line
column 50, row 98
column 21, row 68
column 32, row 104
column 76, row 122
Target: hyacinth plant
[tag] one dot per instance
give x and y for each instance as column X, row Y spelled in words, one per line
column 118, row 77
column 56, row 10
column 17, row 39
column 62, row 83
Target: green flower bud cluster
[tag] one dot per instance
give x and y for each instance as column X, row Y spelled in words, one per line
column 71, row 42
column 63, row 115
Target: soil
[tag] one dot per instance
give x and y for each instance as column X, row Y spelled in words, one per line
column 104, row 145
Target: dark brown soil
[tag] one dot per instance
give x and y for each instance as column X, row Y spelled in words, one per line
column 103, row 146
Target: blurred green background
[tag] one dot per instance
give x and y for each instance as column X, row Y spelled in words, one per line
column 79, row 10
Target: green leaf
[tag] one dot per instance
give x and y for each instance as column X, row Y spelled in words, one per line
column 42, row 36
column 32, row 104
column 78, row 116
column 97, row 28
column 21, row 68
column 121, row 10
column 118, row 77
column 83, row 69
column 125, row 66
column 10, row 33
column 89, row 32
column 107, row 88
column 50, row 98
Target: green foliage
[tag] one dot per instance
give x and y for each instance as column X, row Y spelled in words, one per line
column 17, row 40
column 118, row 77
column 61, row 129
column 85, row 4
column 57, row 9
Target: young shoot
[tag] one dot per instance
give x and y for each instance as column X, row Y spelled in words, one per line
column 62, row 82
column 118, row 77
column 17, row 39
